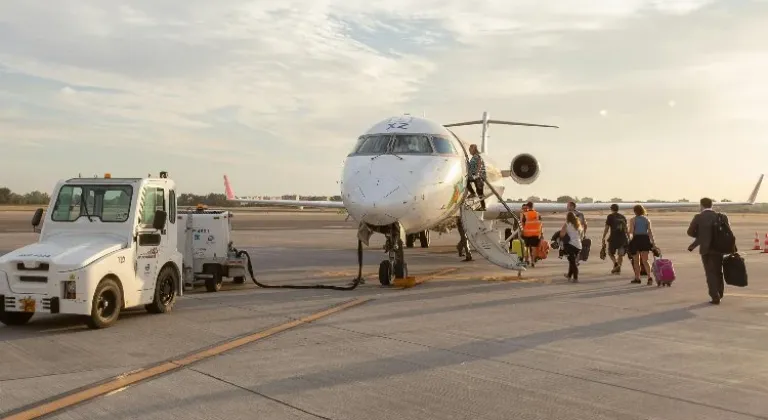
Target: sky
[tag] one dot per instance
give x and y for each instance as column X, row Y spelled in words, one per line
column 660, row 99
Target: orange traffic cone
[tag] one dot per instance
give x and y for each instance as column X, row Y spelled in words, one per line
column 765, row 250
column 757, row 243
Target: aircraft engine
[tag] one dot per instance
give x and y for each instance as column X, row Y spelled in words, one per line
column 524, row 169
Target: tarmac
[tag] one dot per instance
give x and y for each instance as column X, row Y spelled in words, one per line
column 472, row 342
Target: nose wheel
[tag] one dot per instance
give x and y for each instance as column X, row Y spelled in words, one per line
column 395, row 266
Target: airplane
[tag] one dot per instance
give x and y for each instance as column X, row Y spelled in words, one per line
column 406, row 176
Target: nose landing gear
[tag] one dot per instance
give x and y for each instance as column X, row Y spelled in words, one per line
column 395, row 266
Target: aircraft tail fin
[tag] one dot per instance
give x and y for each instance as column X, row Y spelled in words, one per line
column 486, row 122
column 228, row 188
column 753, row 196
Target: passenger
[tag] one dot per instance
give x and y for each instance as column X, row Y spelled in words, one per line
column 519, row 229
column 580, row 215
column 476, row 175
column 533, row 230
column 701, row 228
column 463, row 245
column 616, row 223
column 570, row 234
column 641, row 242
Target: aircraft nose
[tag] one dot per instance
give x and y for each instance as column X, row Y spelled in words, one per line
column 378, row 200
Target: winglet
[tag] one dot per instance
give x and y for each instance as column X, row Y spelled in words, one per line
column 753, row 196
column 228, row 189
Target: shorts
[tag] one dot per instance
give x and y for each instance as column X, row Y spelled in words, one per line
column 615, row 246
column 532, row 241
column 640, row 243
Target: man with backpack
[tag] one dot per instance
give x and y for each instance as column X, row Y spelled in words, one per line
column 618, row 240
column 715, row 239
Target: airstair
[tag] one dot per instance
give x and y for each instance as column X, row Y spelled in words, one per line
column 487, row 236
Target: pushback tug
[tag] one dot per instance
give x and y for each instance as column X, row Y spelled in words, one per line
column 108, row 244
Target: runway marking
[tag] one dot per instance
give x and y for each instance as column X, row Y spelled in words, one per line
column 516, row 279
column 423, row 278
column 126, row 379
column 746, row 295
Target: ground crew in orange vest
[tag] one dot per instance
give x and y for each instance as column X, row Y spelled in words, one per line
column 533, row 230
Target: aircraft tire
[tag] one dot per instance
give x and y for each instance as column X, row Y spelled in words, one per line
column 424, row 239
column 401, row 270
column 385, row 273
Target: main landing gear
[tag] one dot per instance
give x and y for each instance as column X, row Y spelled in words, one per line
column 423, row 238
column 395, row 266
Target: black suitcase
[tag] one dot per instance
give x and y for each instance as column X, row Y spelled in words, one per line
column 735, row 270
column 586, row 244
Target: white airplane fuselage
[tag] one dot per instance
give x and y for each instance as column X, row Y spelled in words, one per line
column 384, row 182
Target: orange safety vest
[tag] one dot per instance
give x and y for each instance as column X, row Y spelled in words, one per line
column 532, row 227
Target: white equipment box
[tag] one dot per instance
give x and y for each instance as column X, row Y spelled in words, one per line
column 206, row 247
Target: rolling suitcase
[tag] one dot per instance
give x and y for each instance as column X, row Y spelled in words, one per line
column 517, row 247
column 586, row 244
column 735, row 270
column 663, row 271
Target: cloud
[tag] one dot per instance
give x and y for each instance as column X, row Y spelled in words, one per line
column 286, row 87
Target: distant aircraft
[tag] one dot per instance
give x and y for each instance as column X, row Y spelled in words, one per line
column 407, row 176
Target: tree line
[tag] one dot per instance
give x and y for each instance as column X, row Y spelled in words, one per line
column 8, row 197
column 35, row 197
column 567, row 198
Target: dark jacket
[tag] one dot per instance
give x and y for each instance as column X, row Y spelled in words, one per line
column 702, row 227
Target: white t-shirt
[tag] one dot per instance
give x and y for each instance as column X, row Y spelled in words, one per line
column 574, row 234
column 583, row 220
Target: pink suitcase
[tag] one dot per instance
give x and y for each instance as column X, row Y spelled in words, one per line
column 663, row 271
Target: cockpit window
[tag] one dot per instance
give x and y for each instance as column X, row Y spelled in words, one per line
column 411, row 143
column 375, row 144
column 360, row 141
column 443, row 145
column 378, row 144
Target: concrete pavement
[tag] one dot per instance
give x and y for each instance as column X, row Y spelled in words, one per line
column 474, row 343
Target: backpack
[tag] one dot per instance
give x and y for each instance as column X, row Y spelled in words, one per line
column 723, row 240
column 622, row 224
column 619, row 229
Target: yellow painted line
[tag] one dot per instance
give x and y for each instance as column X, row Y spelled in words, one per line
column 130, row 378
column 515, row 279
column 746, row 295
column 413, row 281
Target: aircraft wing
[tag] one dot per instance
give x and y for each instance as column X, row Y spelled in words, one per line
column 561, row 207
column 282, row 203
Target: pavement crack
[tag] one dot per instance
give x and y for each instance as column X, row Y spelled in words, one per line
column 260, row 394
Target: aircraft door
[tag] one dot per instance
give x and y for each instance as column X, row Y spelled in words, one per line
column 488, row 241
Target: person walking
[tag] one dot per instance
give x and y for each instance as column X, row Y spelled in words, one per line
column 572, row 244
column 571, row 206
column 463, row 245
column 616, row 232
column 533, row 229
column 476, row 176
column 701, row 228
column 641, row 242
